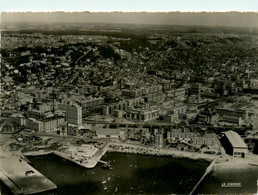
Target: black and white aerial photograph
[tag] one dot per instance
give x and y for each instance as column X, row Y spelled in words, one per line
column 128, row 97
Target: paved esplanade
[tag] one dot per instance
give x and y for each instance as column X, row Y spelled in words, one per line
column 20, row 177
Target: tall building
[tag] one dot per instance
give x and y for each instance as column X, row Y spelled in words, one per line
column 73, row 113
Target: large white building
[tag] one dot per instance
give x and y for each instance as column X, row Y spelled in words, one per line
column 45, row 125
column 73, row 113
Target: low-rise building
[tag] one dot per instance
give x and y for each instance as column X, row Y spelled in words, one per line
column 178, row 93
column 107, row 133
column 45, row 125
column 232, row 112
column 169, row 118
column 18, row 119
column 72, row 129
column 156, row 97
column 178, row 134
column 143, row 114
column 207, row 139
column 232, row 119
column 146, row 90
column 122, row 105
column 91, row 102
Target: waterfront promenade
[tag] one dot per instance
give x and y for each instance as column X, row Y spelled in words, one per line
column 33, row 182
column 125, row 148
column 20, row 177
column 90, row 163
column 138, row 149
column 144, row 150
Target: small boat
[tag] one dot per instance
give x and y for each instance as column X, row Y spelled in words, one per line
column 107, row 165
column 104, row 182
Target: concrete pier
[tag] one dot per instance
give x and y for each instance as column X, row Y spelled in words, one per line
column 208, row 170
column 20, row 177
column 103, row 162
column 97, row 156
column 91, row 163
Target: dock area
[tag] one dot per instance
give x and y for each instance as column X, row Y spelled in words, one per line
column 20, row 177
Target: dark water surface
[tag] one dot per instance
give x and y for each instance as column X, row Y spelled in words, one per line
column 131, row 174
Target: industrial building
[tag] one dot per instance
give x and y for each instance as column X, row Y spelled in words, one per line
column 234, row 145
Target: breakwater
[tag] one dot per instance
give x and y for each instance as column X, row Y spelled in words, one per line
column 208, row 171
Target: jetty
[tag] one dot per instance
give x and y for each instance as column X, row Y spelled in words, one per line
column 208, row 170
column 103, row 162
column 20, row 177
column 97, row 156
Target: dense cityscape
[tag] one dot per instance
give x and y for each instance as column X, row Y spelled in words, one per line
column 154, row 90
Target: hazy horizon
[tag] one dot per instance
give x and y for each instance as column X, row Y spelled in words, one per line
column 218, row 19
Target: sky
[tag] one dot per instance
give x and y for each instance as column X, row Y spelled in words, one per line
column 128, row 5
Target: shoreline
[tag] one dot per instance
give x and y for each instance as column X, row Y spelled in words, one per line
column 222, row 162
column 37, row 153
column 34, row 154
column 215, row 166
column 125, row 148
column 159, row 155
column 141, row 150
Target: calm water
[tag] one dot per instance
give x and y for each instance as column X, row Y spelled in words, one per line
column 131, row 174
